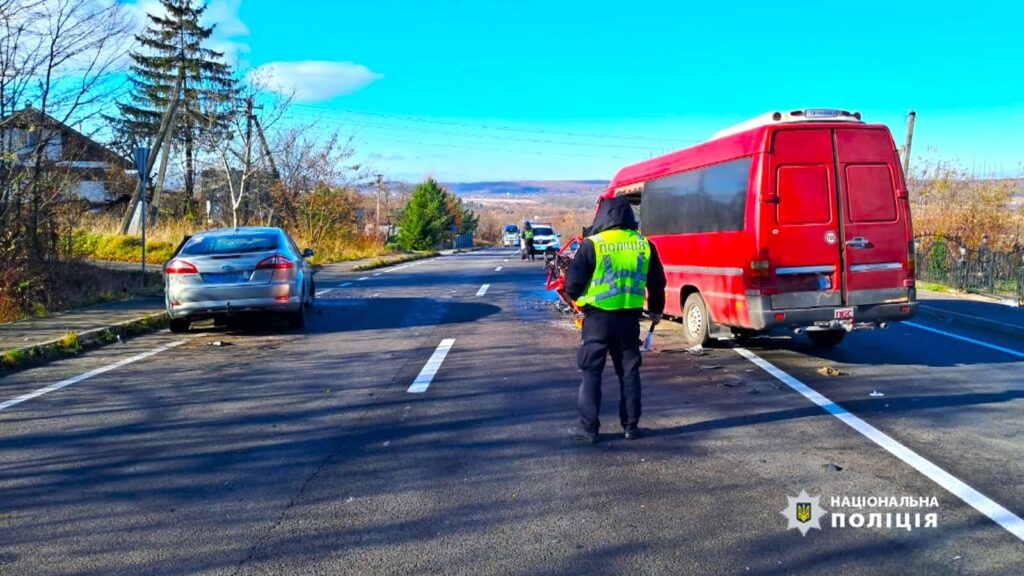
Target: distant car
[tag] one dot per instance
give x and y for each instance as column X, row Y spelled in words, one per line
column 510, row 237
column 221, row 273
column 545, row 239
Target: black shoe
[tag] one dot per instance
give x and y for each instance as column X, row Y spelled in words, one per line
column 632, row 434
column 581, row 435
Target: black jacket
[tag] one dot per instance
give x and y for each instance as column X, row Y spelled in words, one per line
column 614, row 214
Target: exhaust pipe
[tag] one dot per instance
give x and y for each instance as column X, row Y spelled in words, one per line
column 883, row 325
column 798, row 331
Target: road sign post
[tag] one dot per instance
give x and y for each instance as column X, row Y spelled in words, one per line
column 141, row 157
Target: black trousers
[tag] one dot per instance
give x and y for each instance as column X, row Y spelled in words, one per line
column 615, row 334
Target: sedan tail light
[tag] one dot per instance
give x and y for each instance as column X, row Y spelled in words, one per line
column 178, row 266
column 275, row 262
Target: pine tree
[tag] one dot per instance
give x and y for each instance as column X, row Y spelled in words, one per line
column 172, row 47
column 425, row 219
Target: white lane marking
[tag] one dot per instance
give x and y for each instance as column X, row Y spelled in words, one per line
column 87, row 375
column 376, row 273
column 322, row 292
column 414, row 263
column 1009, row 351
column 344, row 285
column 426, row 375
column 1008, row 520
column 483, row 290
column 506, row 259
column 498, row 269
column 363, row 278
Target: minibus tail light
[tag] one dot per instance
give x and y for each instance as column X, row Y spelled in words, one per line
column 911, row 259
column 761, row 268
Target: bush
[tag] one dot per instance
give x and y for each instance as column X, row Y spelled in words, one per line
column 938, row 256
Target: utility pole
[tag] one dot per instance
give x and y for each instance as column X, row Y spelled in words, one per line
column 266, row 149
column 247, row 160
column 906, row 147
column 380, row 185
column 165, row 125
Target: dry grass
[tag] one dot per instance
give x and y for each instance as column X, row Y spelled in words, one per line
column 98, row 238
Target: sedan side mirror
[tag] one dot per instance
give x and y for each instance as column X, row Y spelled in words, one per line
column 308, row 253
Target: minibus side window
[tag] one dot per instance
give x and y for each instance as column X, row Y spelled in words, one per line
column 710, row 199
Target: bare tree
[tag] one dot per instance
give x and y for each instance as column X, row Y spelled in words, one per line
column 59, row 56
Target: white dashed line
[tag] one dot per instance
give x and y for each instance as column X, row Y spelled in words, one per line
column 87, row 375
column 426, row 376
column 498, row 269
column 322, row 292
column 363, row 278
column 483, row 290
column 1009, row 351
column 377, row 274
column 344, row 285
column 1008, row 520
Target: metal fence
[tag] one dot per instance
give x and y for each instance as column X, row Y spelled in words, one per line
column 981, row 270
column 458, row 241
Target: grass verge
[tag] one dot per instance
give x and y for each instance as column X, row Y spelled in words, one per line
column 73, row 343
column 390, row 260
column 936, row 287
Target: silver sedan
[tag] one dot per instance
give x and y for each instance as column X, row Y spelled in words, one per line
column 221, row 273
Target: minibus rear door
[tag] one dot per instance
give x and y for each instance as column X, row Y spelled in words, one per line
column 875, row 237
column 804, row 246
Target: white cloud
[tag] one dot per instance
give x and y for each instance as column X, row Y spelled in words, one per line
column 316, row 80
column 223, row 14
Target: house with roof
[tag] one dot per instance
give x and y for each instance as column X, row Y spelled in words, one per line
column 88, row 163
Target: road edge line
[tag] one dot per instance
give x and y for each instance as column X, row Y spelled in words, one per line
column 90, row 374
column 994, row 511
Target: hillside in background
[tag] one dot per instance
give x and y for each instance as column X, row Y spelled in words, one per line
column 529, row 187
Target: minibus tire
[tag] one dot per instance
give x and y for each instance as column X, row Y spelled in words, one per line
column 826, row 338
column 695, row 305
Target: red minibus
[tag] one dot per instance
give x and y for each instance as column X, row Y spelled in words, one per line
column 794, row 219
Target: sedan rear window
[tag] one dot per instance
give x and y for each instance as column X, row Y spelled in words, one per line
column 231, row 244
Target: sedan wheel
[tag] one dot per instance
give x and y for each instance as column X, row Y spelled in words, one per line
column 180, row 325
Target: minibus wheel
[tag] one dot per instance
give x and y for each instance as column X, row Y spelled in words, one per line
column 696, row 321
column 826, row 338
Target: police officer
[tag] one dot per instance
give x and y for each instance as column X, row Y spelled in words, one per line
column 527, row 248
column 608, row 279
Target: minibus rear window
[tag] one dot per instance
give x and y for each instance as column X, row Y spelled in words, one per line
column 870, row 192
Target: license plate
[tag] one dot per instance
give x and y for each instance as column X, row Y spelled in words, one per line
column 225, row 278
column 844, row 314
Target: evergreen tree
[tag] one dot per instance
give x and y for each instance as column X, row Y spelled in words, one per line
column 172, row 47
column 426, row 219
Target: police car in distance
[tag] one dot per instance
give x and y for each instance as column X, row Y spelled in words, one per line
column 545, row 239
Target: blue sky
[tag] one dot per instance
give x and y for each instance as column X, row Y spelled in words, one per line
column 527, row 89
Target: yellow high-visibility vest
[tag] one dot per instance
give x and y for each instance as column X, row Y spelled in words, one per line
column 620, row 276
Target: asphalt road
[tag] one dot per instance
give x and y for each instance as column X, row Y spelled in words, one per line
column 283, row 452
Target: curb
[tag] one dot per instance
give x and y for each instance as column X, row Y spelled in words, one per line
column 56, row 348
column 973, row 321
column 385, row 264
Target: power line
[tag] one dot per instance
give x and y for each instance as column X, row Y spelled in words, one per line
column 481, row 149
column 409, row 118
column 416, row 129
